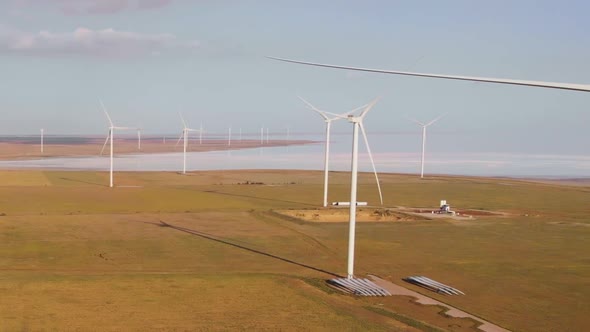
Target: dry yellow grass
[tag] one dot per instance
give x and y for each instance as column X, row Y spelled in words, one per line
column 75, row 254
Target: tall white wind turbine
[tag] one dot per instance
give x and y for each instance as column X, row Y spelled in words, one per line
column 184, row 135
column 357, row 122
column 424, row 126
column 110, row 137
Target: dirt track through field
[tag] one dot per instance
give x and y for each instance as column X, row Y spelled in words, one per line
column 422, row 299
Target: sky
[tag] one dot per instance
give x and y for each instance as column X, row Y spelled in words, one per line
column 148, row 60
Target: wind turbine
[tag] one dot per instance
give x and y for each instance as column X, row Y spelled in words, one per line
column 42, row 132
column 357, row 122
column 110, row 137
column 328, row 120
column 184, row 135
column 139, row 139
column 424, row 126
column 201, row 133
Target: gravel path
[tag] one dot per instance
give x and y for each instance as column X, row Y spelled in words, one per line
column 422, row 299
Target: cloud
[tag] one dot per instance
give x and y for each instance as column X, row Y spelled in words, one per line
column 96, row 43
column 94, row 7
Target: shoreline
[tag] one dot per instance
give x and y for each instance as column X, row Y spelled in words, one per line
column 25, row 151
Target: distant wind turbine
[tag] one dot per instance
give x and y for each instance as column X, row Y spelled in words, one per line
column 201, row 133
column 110, row 137
column 184, row 135
column 139, row 139
column 42, row 138
column 424, row 126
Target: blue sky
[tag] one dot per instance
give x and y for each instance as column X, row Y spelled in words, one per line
column 150, row 59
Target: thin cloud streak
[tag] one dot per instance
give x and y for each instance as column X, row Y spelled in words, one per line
column 87, row 42
column 93, row 7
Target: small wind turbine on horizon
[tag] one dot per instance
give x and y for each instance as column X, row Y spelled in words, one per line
column 328, row 120
column 184, row 135
column 201, row 133
column 110, row 137
column 424, row 126
column 42, row 138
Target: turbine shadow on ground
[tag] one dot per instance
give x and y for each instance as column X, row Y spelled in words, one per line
column 219, row 240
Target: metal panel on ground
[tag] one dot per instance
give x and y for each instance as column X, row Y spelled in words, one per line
column 361, row 287
column 433, row 285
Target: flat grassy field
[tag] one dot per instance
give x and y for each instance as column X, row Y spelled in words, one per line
column 206, row 251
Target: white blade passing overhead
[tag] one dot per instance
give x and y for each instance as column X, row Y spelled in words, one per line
column 539, row 84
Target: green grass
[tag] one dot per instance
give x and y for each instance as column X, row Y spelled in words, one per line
column 75, row 253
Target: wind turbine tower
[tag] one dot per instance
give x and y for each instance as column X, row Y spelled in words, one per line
column 424, row 126
column 357, row 122
column 42, row 138
column 201, row 134
column 184, row 135
column 110, row 137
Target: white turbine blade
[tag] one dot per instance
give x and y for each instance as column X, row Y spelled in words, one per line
column 183, row 122
column 105, row 112
column 414, row 120
column 346, row 114
column 313, row 108
column 539, row 84
column 436, row 119
column 372, row 162
column 105, row 142
column 368, row 108
column 180, row 138
column 337, row 116
column 356, row 109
